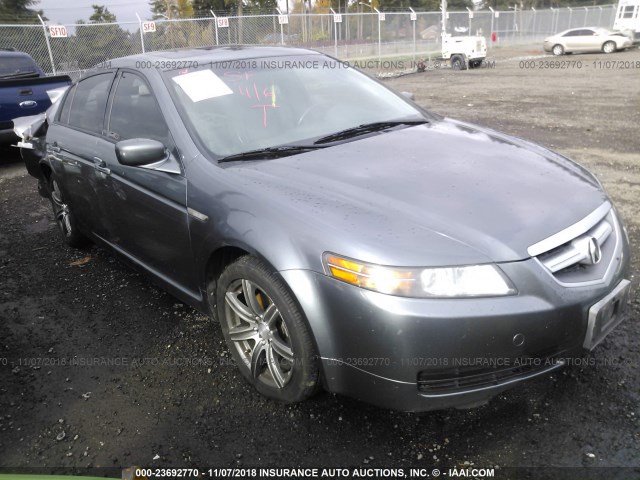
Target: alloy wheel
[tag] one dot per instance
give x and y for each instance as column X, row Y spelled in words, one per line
column 61, row 210
column 259, row 333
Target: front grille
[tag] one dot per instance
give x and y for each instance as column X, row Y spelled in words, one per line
column 586, row 256
column 461, row 380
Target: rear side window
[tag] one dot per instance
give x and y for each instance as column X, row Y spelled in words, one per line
column 89, row 102
column 66, row 106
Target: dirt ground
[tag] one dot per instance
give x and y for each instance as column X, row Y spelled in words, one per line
column 171, row 396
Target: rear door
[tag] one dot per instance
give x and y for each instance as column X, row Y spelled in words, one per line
column 71, row 146
column 145, row 209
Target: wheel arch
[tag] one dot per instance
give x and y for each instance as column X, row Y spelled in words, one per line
column 218, row 260
column 46, row 170
column 224, row 256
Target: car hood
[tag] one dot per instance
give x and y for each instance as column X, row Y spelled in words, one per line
column 442, row 193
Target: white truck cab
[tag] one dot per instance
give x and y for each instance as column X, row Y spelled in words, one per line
column 628, row 19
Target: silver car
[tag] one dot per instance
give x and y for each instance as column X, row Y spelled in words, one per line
column 341, row 235
column 586, row 40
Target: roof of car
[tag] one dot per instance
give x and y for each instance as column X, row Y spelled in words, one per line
column 220, row 53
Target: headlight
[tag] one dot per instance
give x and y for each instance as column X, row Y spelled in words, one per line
column 440, row 282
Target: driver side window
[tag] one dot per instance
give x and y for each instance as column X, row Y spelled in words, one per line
column 135, row 112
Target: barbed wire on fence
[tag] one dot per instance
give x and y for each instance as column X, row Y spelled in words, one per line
column 349, row 36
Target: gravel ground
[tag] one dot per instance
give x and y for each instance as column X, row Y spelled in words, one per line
column 155, row 409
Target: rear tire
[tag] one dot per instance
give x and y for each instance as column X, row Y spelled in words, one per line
column 266, row 332
column 609, row 47
column 63, row 215
column 458, row 62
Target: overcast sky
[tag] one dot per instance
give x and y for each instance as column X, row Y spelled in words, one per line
column 68, row 11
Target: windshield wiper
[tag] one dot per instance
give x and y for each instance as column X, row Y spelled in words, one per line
column 367, row 128
column 271, row 152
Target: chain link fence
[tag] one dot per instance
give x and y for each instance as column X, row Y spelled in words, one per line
column 349, row 36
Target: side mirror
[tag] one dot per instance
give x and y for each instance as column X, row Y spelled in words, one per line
column 138, row 152
column 408, row 95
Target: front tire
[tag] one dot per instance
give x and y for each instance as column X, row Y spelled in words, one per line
column 64, row 217
column 266, row 332
column 557, row 50
column 609, row 47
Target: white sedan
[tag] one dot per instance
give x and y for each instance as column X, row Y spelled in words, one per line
column 586, row 40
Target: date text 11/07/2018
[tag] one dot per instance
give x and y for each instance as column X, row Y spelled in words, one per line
column 580, row 65
column 370, row 64
column 305, row 473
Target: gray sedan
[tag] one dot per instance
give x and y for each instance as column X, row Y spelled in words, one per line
column 583, row 40
column 342, row 236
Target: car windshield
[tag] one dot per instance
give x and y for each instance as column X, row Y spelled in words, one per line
column 246, row 105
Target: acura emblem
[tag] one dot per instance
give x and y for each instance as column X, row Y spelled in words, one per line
column 595, row 254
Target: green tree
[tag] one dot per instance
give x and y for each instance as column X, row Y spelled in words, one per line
column 172, row 8
column 29, row 39
column 203, row 8
column 101, row 14
column 19, row 11
column 94, row 43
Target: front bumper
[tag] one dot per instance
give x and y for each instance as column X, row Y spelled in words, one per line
column 425, row 354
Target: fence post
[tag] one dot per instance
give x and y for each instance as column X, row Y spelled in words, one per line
column 470, row 16
column 533, row 29
column 493, row 14
column 586, row 13
column 570, row 16
column 281, row 27
column 335, row 34
column 46, row 38
column 379, row 36
column 613, row 15
column 141, row 34
column 600, row 16
column 215, row 24
column 414, row 17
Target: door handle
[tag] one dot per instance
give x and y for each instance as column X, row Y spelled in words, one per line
column 101, row 166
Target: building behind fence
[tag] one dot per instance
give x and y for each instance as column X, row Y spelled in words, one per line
column 348, row 36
